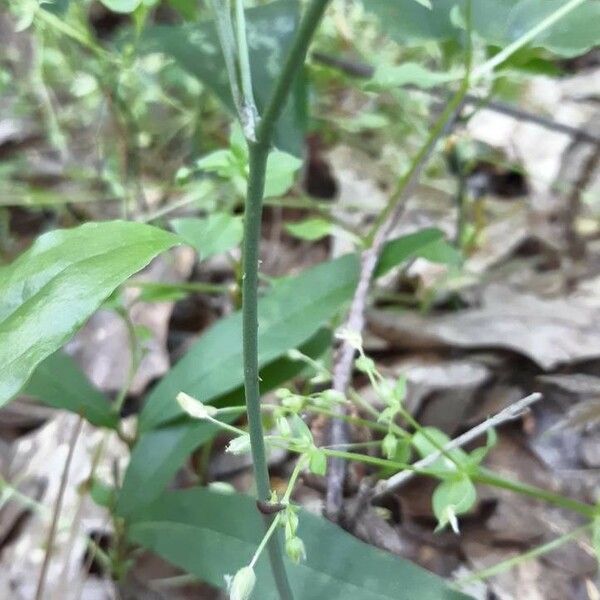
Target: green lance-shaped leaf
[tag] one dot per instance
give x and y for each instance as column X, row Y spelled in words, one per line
column 59, row 382
column 211, row 535
column 50, row 290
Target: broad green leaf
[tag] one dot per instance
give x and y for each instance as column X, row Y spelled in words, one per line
column 147, row 477
column 271, row 28
column 59, row 382
column 212, row 235
column 290, row 314
column 427, row 243
column 50, row 290
column 211, row 535
column 498, row 22
column 408, row 23
column 310, row 229
column 121, row 6
column 57, row 7
column 452, row 498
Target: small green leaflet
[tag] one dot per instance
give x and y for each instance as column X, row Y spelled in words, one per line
column 452, row 498
column 412, row 74
column 232, row 164
column 310, row 229
column 215, row 234
column 122, row 6
column 59, row 382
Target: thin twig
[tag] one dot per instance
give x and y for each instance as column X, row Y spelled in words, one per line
column 39, row 594
column 510, row 413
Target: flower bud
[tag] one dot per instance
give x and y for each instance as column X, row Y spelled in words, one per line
column 330, row 398
column 194, row 408
column 294, row 548
column 242, row 584
column 353, row 338
column 317, row 462
column 290, row 522
column 389, row 445
column 239, row 445
column 283, row 426
column 365, row 364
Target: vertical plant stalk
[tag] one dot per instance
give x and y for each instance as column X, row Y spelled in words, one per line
column 252, row 229
column 258, row 156
column 249, row 115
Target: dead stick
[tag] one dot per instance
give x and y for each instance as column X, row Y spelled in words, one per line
column 39, row 594
column 514, row 411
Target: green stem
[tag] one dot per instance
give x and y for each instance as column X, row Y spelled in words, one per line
column 258, row 155
column 259, row 152
column 134, row 361
column 252, row 229
column 249, row 112
column 366, row 459
column 270, row 531
column 509, row 563
column 293, row 64
column 222, row 12
column 488, row 477
column 294, row 477
column 186, row 286
column 417, row 162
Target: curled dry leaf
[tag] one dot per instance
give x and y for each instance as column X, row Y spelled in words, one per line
column 550, row 332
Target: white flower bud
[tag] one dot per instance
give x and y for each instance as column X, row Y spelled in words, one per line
column 354, row 338
column 194, row 408
column 242, row 584
column 239, row 445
